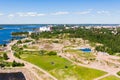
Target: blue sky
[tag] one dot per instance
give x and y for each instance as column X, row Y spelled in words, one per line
column 59, row 11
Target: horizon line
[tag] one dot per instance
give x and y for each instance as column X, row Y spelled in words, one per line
column 53, row 23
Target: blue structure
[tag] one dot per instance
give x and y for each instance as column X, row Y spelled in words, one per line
column 86, row 50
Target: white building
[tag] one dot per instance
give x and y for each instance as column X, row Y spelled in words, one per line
column 42, row 29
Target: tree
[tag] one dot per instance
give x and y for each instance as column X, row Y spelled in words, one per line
column 17, row 55
column 25, row 46
column 4, row 45
column 42, row 52
column 51, row 53
column 110, row 41
column 5, row 56
column 15, row 64
column 118, row 73
column 2, row 65
column 19, row 42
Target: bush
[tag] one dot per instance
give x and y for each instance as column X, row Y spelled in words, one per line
column 5, row 56
column 25, row 46
column 15, row 64
column 66, row 66
column 5, row 64
column 56, row 41
column 4, row 45
column 42, row 52
column 17, row 55
column 2, row 65
column 118, row 73
column 52, row 63
column 26, row 41
column 19, row 42
column 51, row 53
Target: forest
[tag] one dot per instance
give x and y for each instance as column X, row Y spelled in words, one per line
column 109, row 37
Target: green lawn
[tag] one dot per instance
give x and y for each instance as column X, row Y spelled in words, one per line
column 62, row 68
column 111, row 78
column 1, row 56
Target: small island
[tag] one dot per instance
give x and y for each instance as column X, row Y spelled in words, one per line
column 19, row 33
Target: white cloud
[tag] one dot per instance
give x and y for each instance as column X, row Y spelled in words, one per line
column 41, row 14
column 11, row 15
column 60, row 13
column 83, row 12
column 103, row 12
column 1, row 14
column 21, row 14
column 32, row 14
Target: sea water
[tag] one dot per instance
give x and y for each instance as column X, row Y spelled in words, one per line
column 5, row 33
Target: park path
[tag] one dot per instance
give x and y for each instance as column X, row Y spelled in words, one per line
column 79, row 64
column 99, row 78
column 28, row 65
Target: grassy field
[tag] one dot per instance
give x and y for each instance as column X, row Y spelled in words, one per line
column 111, row 78
column 1, row 56
column 61, row 68
column 1, row 52
column 32, row 47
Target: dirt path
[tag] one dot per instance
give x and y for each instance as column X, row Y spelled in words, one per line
column 99, row 78
column 28, row 65
column 108, row 73
column 109, row 58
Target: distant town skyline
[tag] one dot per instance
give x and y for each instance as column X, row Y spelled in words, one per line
column 59, row 12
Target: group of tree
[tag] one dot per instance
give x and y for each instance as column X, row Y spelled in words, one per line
column 16, row 64
column 20, row 33
column 110, row 41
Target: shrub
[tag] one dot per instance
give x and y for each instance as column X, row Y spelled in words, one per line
column 19, row 42
column 4, row 45
column 15, row 64
column 25, row 46
column 51, row 53
column 26, row 41
column 2, row 65
column 66, row 66
column 5, row 56
column 17, row 55
column 56, row 41
column 52, row 63
column 118, row 73
column 7, row 64
column 42, row 52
